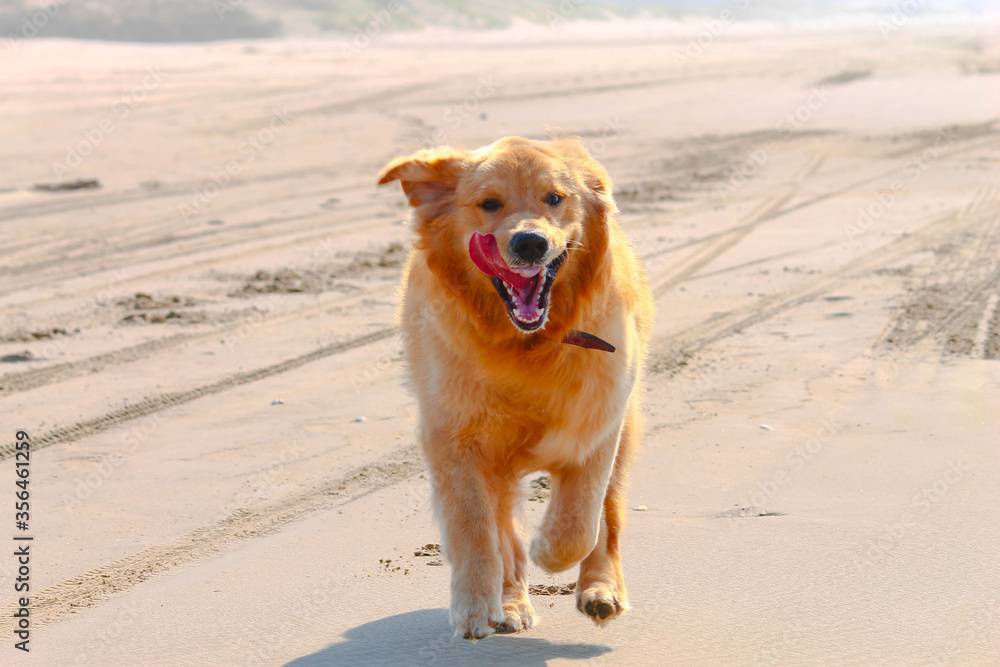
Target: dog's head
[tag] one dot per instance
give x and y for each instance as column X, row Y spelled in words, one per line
column 525, row 221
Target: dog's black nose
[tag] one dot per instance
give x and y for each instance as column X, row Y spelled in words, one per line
column 529, row 246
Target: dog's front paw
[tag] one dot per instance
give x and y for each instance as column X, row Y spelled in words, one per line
column 519, row 615
column 541, row 553
column 558, row 555
column 601, row 602
column 476, row 618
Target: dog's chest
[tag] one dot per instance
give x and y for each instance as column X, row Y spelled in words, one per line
column 588, row 413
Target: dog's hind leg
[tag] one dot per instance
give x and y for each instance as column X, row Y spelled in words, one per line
column 466, row 509
column 516, row 605
column 600, row 590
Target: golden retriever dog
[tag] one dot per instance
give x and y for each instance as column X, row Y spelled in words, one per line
column 525, row 315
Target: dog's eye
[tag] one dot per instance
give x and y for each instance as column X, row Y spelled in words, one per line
column 553, row 199
column 491, row 205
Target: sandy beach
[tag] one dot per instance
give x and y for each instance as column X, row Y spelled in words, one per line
column 204, row 353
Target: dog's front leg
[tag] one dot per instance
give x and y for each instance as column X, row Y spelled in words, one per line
column 472, row 545
column 572, row 522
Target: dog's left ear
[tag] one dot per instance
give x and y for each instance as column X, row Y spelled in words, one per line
column 429, row 177
column 595, row 177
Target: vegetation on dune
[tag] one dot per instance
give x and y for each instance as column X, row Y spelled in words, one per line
column 135, row 20
column 208, row 20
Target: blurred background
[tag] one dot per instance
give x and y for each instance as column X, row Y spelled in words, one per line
column 192, row 20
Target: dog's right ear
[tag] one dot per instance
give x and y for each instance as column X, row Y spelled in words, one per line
column 595, row 177
column 429, row 177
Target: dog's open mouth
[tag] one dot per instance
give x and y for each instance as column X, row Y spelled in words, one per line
column 523, row 289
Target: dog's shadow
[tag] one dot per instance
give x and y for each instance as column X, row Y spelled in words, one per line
column 424, row 638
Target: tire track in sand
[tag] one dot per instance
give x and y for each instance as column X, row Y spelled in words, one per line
column 11, row 383
column 160, row 402
column 717, row 246
column 660, row 282
column 670, row 351
column 953, row 307
column 94, row 587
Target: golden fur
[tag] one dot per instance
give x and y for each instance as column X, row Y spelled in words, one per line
column 497, row 403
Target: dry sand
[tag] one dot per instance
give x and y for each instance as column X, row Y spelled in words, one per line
column 226, row 471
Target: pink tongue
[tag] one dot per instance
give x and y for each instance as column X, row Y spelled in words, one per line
column 486, row 256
